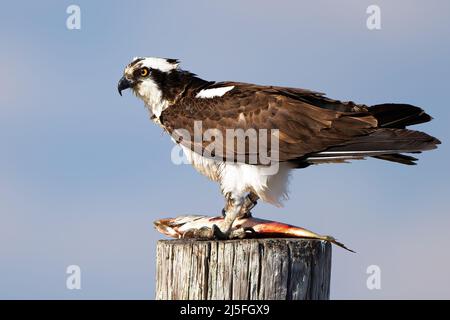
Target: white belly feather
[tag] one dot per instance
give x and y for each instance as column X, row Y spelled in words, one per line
column 239, row 178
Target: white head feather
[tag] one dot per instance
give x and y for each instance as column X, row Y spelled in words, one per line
column 162, row 64
column 147, row 89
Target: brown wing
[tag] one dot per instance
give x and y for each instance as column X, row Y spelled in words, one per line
column 306, row 122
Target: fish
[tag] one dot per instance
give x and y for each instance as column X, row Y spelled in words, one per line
column 202, row 228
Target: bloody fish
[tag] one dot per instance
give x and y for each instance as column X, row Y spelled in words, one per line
column 201, row 227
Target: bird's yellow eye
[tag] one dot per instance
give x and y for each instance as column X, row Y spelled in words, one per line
column 144, row 72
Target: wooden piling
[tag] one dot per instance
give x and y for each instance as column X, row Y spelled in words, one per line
column 251, row 269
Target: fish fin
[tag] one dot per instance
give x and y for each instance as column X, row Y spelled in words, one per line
column 339, row 244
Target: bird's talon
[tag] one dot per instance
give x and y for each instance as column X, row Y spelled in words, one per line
column 218, row 234
column 250, row 230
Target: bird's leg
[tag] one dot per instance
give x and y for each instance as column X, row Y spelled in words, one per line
column 249, row 203
column 232, row 210
column 236, row 206
column 251, row 200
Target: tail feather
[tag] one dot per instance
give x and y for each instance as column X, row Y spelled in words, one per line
column 388, row 141
column 385, row 144
column 399, row 158
column 394, row 115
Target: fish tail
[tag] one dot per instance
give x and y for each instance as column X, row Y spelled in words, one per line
column 339, row 244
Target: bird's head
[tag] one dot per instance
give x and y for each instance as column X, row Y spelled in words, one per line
column 145, row 76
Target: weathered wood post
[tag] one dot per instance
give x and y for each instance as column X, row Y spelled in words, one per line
column 292, row 269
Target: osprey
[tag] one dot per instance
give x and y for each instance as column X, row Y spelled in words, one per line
column 308, row 128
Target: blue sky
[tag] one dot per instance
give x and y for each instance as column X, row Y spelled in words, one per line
column 83, row 172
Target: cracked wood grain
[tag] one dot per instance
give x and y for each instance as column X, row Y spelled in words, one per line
column 253, row 269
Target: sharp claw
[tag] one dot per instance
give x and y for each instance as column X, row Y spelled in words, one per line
column 250, row 230
column 218, row 234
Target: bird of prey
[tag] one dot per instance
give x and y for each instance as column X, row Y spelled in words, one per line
column 295, row 128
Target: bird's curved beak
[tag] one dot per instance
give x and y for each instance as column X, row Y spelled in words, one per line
column 123, row 84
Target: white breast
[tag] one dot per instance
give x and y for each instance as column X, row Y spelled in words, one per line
column 239, row 178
